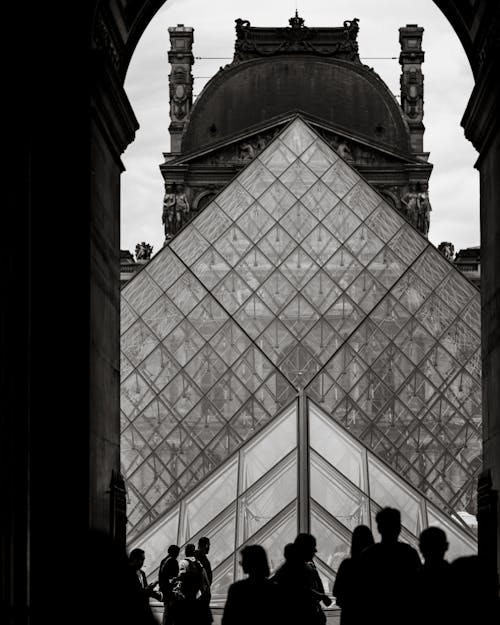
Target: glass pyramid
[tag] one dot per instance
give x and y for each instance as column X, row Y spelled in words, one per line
column 298, row 279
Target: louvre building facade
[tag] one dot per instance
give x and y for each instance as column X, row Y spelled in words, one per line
column 297, row 356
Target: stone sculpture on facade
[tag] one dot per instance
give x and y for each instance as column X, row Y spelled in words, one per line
column 143, row 251
column 423, row 211
column 447, row 249
column 175, row 209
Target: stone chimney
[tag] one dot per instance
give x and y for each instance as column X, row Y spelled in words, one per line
column 412, row 83
column 180, row 57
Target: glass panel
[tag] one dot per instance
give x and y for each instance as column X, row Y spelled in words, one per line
column 385, row 222
column 276, row 341
column 157, row 539
column 297, row 136
column 233, row 245
column 210, row 268
column 165, row 268
column 298, row 178
column 159, row 367
column 299, row 366
column 208, row 317
column 341, row 222
column 277, row 200
column 298, row 221
column 212, row 222
column 230, row 342
column 254, row 268
column 387, row 490
column 141, row 292
column 337, row 496
column 340, row 178
column 189, row 245
column 186, row 292
column 321, row 291
column 266, row 498
column 162, row 316
column 277, row 244
column 209, row 499
column 299, row 316
column 322, row 341
column 364, row 244
column 333, row 542
column 336, row 446
column 255, row 222
column 277, row 291
column 456, row 291
column 320, row 199
column 320, row 244
column 222, row 533
column 362, row 199
column 299, row 268
column 435, row 316
column 232, row 292
column 269, row 447
column 411, row 291
column 234, row 200
column 460, row 544
column 407, row 244
column 127, row 316
column 254, row 316
column 318, row 157
column 256, row 178
column 431, row 267
column 223, row 577
column 137, row 342
column 277, row 157
column 275, row 536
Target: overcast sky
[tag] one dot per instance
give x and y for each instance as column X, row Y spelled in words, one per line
column 454, row 183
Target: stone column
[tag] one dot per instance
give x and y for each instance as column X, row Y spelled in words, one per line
column 412, row 83
column 482, row 128
column 181, row 59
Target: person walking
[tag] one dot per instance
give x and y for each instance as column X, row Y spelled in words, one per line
column 167, row 576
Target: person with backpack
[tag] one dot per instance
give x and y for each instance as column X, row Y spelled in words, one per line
column 167, row 576
column 191, row 582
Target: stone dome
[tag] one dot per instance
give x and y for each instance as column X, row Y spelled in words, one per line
column 351, row 97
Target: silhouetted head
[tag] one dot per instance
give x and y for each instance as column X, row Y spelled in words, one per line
column 289, row 552
column 389, row 524
column 136, row 558
column 254, row 561
column 362, row 538
column 305, row 547
column 433, row 544
column 189, row 550
column 204, row 544
column 173, row 551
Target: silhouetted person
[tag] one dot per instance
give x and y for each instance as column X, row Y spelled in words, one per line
column 300, row 583
column 387, row 575
column 346, row 581
column 136, row 561
column 256, row 599
column 433, row 583
column 167, row 576
column 201, row 555
column 112, row 593
column 187, row 610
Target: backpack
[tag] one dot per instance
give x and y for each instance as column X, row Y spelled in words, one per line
column 166, row 575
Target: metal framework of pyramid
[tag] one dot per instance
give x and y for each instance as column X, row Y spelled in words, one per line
column 297, row 280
